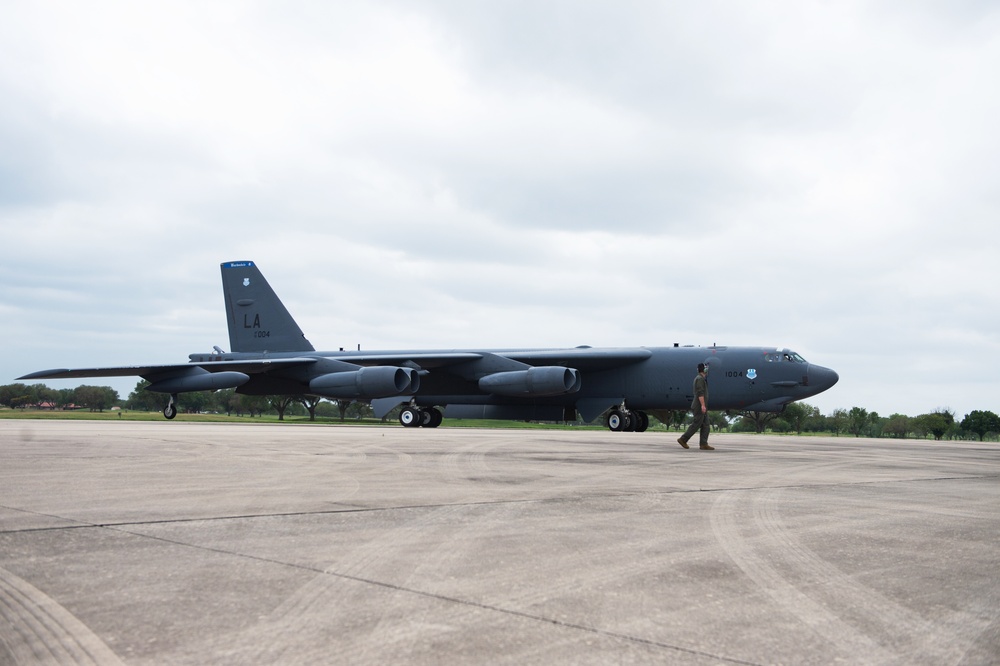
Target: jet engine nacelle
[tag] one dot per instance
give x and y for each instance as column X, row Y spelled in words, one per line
column 541, row 381
column 375, row 382
column 203, row 381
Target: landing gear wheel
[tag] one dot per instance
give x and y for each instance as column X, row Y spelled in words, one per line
column 641, row 421
column 430, row 417
column 170, row 411
column 410, row 417
column 433, row 418
column 618, row 421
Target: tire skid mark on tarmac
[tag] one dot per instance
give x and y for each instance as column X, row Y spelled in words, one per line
column 727, row 518
column 332, row 594
column 334, row 597
column 37, row 630
column 472, row 456
column 850, row 615
column 327, row 598
column 336, row 592
column 943, row 640
column 456, row 547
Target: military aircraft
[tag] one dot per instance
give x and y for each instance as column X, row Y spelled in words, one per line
column 271, row 356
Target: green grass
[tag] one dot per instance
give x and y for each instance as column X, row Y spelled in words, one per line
column 86, row 415
column 129, row 415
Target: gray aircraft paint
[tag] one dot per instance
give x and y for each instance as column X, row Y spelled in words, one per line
column 271, row 355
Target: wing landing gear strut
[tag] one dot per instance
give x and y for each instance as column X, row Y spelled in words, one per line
column 170, row 411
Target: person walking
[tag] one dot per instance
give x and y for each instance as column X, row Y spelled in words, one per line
column 699, row 408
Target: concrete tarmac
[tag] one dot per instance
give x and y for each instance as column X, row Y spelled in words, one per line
column 177, row 543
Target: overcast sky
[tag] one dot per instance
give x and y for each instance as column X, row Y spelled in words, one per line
column 823, row 176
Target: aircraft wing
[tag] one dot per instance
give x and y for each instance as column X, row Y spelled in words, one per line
column 248, row 367
column 581, row 358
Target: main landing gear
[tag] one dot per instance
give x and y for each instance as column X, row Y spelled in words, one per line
column 622, row 419
column 414, row 417
column 170, row 411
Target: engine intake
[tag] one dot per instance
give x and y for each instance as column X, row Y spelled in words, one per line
column 541, row 381
column 375, row 382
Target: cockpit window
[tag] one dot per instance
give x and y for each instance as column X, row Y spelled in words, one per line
column 785, row 356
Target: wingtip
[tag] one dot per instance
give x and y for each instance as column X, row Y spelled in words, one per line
column 44, row 374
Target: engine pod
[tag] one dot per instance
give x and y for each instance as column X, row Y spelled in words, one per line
column 540, row 381
column 374, row 382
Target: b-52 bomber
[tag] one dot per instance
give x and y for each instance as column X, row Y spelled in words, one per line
column 271, row 356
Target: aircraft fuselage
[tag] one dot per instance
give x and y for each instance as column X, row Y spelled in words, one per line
column 654, row 378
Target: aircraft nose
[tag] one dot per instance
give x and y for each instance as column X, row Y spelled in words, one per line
column 820, row 378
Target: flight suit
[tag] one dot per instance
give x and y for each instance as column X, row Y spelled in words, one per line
column 700, row 421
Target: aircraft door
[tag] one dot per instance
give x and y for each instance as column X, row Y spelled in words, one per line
column 720, row 388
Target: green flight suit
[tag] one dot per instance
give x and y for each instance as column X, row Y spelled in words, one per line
column 700, row 422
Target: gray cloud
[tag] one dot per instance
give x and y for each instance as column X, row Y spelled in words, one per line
column 447, row 174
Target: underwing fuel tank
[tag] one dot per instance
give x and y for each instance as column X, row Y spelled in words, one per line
column 541, row 381
column 374, row 382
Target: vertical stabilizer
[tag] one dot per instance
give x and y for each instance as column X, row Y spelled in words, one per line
column 258, row 321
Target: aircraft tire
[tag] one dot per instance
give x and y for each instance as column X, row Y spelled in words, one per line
column 170, row 411
column 410, row 417
column 641, row 421
column 430, row 418
column 617, row 421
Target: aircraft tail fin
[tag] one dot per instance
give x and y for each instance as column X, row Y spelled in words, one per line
column 258, row 320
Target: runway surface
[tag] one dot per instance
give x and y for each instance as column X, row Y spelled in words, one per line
column 157, row 543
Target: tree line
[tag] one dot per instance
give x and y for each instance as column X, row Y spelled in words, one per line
column 859, row 422
column 39, row 396
column 797, row 417
column 226, row 401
